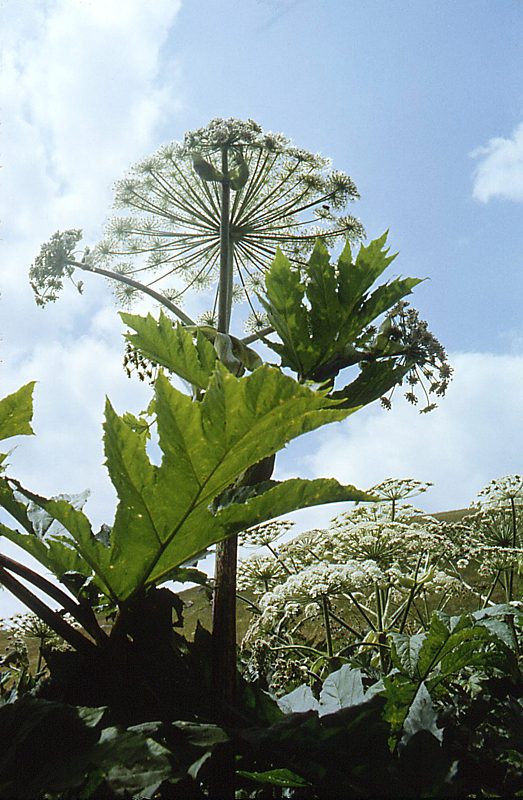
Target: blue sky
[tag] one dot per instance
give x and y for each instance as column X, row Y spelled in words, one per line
column 398, row 94
column 420, row 102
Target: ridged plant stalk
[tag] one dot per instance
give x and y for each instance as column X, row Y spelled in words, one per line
column 514, row 543
column 224, row 600
column 327, row 624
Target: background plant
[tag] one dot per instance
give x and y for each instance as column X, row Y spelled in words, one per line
column 332, row 594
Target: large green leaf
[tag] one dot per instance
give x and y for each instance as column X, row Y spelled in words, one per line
column 16, row 413
column 421, row 716
column 449, row 650
column 357, row 276
column 288, row 314
column 374, row 380
column 276, row 777
column 341, row 689
column 167, row 513
column 50, row 740
column 48, row 748
column 282, row 498
column 322, row 312
column 322, row 291
column 43, row 536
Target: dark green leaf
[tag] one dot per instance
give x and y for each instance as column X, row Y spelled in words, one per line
column 405, row 652
column 276, row 777
column 131, row 763
column 357, row 277
column 201, row 734
column 322, row 292
column 44, row 747
column 384, row 298
column 288, row 315
column 322, row 315
column 374, row 380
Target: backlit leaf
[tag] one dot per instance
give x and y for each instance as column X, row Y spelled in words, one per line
column 165, row 514
column 171, row 346
column 16, row 412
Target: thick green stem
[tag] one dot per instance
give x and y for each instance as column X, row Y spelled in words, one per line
column 363, row 611
column 514, row 541
column 224, row 600
column 280, row 561
column 40, row 658
column 342, row 622
column 410, row 597
column 256, row 609
column 491, row 590
column 379, row 609
column 224, row 289
column 253, row 337
column 381, row 634
column 303, row 647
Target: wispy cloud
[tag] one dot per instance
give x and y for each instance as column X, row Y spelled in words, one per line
column 500, row 169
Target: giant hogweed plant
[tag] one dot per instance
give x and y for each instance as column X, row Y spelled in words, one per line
column 375, row 362
column 210, row 213
column 445, row 721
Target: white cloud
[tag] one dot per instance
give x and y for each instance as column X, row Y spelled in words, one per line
column 474, row 436
column 85, row 90
column 500, row 169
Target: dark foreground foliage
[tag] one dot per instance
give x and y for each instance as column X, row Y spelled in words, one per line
column 446, row 721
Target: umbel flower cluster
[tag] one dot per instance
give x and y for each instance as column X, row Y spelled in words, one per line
column 378, row 569
column 168, row 236
column 53, row 264
column 169, row 233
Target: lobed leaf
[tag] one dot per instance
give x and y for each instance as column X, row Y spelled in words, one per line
column 172, row 346
column 276, row 777
column 323, row 313
column 288, row 315
column 16, row 412
column 341, row 689
column 421, row 716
